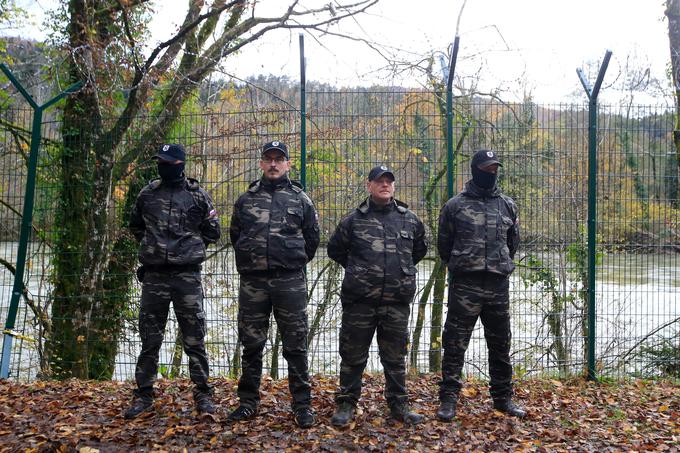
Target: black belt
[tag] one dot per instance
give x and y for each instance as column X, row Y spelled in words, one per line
column 173, row 268
column 271, row 272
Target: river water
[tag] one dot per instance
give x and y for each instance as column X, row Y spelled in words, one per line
column 636, row 297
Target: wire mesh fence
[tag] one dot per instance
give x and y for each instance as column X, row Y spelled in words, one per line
column 544, row 149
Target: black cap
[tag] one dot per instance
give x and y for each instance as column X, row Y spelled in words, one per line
column 484, row 157
column 378, row 171
column 172, row 152
column 278, row 146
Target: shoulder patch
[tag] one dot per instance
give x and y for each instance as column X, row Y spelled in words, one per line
column 154, row 184
column 254, row 186
column 192, row 184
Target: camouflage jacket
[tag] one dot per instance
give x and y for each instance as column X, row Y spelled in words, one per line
column 479, row 231
column 174, row 223
column 379, row 248
column 274, row 227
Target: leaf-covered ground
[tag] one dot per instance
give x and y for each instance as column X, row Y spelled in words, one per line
column 563, row 416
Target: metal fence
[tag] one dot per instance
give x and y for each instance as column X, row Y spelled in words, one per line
column 544, row 149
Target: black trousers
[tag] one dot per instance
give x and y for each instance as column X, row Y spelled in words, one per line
column 284, row 293
column 184, row 290
column 359, row 323
column 485, row 296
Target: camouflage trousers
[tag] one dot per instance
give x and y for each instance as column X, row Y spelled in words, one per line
column 183, row 289
column 481, row 295
column 359, row 322
column 284, row 293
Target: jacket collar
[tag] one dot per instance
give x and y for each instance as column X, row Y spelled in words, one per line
column 368, row 205
column 473, row 190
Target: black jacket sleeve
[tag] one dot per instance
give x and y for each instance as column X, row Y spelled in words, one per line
column 419, row 242
column 513, row 232
column 310, row 228
column 137, row 225
column 210, row 224
column 235, row 226
column 447, row 232
column 339, row 243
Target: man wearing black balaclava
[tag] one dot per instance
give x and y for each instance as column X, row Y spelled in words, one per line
column 478, row 238
column 175, row 220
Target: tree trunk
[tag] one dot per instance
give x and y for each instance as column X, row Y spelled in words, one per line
column 673, row 15
column 420, row 319
column 274, row 369
column 437, row 318
column 177, row 352
column 332, row 270
column 79, row 264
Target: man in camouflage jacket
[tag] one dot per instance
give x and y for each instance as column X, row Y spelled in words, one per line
column 379, row 244
column 175, row 220
column 478, row 238
column 275, row 232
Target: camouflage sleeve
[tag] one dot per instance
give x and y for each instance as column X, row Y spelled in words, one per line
column 137, row 225
column 235, row 226
column 310, row 228
column 513, row 232
column 419, row 242
column 210, row 224
column 338, row 244
column 447, row 232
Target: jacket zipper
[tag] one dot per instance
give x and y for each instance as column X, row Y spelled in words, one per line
column 269, row 227
column 167, row 231
column 486, row 236
column 384, row 276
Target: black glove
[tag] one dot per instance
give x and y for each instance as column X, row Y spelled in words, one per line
column 140, row 273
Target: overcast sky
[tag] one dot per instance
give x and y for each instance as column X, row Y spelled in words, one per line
column 515, row 45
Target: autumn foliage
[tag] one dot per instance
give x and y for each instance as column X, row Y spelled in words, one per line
column 573, row 415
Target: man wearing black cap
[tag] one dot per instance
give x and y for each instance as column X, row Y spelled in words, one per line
column 379, row 244
column 275, row 233
column 478, row 238
column 175, row 220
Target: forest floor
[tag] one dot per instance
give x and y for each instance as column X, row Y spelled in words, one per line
column 573, row 415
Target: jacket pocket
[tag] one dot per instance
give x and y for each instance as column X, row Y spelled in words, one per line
column 407, row 288
column 353, row 285
column 464, row 260
column 293, row 220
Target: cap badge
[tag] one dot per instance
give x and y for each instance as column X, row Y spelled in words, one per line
column 383, row 168
column 166, row 147
column 489, row 153
column 275, row 143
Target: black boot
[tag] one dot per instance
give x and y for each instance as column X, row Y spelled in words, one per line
column 304, row 417
column 447, row 410
column 344, row 413
column 508, row 407
column 139, row 404
column 403, row 413
column 204, row 403
column 242, row 413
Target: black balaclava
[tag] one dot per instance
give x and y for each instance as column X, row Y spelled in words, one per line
column 171, row 172
column 483, row 179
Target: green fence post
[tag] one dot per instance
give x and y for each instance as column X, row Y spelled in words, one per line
column 303, row 116
column 449, row 118
column 592, row 94
column 27, row 214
